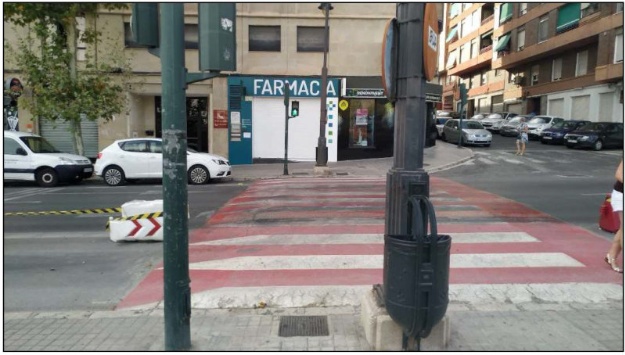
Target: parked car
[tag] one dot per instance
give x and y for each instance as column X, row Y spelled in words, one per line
column 494, row 121
column 509, row 129
column 142, row 158
column 479, row 116
column 29, row 157
column 440, row 123
column 555, row 134
column 596, row 135
column 538, row 124
column 473, row 132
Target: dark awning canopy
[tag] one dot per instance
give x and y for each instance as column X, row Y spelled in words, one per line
column 503, row 42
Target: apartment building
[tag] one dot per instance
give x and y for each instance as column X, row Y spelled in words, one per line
column 563, row 59
column 241, row 114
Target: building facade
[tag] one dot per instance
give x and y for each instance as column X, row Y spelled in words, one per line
column 562, row 59
column 240, row 114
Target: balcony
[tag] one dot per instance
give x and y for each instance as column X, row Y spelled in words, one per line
column 582, row 35
column 486, row 89
column 483, row 60
column 484, row 21
column 609, row 73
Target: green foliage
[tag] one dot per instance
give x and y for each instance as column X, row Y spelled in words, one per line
column 46, row 59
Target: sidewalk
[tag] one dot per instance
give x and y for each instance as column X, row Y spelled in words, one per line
column 519, row 315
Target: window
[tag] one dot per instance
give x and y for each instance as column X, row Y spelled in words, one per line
column 618, row 45
column 556, row 73
column 191, row 36
column 264, row 39
column 484, row 78
column 310, row 39
column 128, row 41
column 505, row 12
column 535, row 70
column 543, row 28
column 522, row 8
column 451, row 61
column 589, row 8
column 156, row 147
column 461, row 54
column 80, row 45
column 11, row 146
column 455, row 9
column 466, row 5
column 135, row 146
column 582, row 63
column 474, row 48
column 520, row 40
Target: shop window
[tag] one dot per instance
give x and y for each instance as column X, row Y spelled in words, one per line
column 264, row 39
column 361, row 123
column 310, row 39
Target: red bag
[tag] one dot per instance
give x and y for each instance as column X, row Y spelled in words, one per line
column 608, row 219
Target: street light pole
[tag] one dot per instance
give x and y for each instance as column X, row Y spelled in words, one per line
column 322, row 149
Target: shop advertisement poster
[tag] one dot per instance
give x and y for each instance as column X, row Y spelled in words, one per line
column 361, row 116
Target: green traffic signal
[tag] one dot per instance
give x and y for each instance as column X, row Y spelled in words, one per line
column 294, row 108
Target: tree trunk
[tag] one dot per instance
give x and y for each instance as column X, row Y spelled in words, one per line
column 72, row 44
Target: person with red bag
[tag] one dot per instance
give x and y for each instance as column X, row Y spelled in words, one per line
column 617, row 206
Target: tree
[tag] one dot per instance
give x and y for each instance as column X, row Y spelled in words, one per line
column 47, row 59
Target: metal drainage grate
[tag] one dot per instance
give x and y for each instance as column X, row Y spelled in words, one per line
column 308, row 326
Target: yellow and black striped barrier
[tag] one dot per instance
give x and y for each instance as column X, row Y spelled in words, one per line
column 62, row 213
column 135, row 217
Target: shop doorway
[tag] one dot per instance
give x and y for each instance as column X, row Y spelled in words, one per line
column 197, row 122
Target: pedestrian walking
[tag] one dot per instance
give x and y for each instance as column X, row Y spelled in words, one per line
column 617, row 206
column 521, row 138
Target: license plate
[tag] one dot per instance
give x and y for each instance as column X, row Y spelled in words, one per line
column 88, row 170
column 572, row 141
column 546, row 137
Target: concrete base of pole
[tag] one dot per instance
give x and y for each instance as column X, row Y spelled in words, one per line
column 383, row 334
column 322, row 171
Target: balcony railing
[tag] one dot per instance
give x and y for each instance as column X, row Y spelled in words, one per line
column 484, row 21
column 486, row 49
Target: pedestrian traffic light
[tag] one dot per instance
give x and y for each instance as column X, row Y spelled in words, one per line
column 294, row 108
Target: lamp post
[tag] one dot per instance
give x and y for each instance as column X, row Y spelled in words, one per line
column 322, row 149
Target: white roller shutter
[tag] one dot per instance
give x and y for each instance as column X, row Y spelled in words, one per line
column 556, row 107
column 515, row 108
column 268, row 129
column 579, row 110
column 59, row 134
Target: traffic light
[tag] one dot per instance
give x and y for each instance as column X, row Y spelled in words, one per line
column 217, row 36
column 463, row 94
column 144, row 24
column 294, row 108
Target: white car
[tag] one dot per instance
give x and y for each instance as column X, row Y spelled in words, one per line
column 29, row 157
column 495, row 121
column 142, row 158
column 440, row 123
column 538, row 124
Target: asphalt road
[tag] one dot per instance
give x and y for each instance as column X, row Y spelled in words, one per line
column 55, row 263
column 569, row 184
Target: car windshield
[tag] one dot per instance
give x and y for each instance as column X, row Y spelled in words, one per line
column 441, row 120
column 515, row 120
column 539, row 120
column 472, row 125
column 565, row 124
column 39, row 145
column 495, row 115
column 591, row 127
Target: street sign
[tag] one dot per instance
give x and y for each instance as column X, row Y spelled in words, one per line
column 389, row 55
column 430, row 41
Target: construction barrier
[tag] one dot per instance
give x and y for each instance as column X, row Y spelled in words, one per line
column 64, row 213
column 140, row 221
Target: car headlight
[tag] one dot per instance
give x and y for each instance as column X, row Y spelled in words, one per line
column 68, row 161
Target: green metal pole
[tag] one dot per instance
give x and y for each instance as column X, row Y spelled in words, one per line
column 176, row 229
column 286, row 127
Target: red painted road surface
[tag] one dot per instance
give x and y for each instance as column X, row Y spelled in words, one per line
column 311, row 206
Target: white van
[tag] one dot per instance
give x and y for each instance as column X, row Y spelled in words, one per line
column 29, row 157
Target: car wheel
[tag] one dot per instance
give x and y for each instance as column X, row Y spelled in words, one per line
column 47, row 177
column 198, row 175
column 114, row 175
column 598, row 145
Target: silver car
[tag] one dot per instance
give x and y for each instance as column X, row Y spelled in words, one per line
column 472, row 133
column 494, row 121
column 538, row 124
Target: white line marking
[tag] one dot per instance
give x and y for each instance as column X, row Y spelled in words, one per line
column 302, row 239
column 333, row 262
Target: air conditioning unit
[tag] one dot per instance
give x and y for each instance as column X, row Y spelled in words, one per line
column 518, row 80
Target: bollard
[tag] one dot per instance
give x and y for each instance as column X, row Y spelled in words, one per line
column 416, row 273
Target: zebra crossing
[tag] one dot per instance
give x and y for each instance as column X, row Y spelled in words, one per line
column 317, row 241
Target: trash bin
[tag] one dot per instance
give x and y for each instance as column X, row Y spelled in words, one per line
column 416, row 272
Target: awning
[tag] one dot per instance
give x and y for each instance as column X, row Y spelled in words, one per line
column 452, row 33
column 455, row 9
column 505, row 12
column 487, row 33
column 451, row 61
column 568, row 16
column 502, row 42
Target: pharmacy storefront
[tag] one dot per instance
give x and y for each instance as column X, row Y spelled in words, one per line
column 256, row 114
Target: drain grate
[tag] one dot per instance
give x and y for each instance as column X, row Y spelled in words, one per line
column 307, row 326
